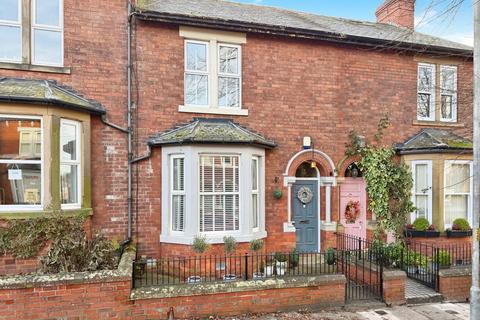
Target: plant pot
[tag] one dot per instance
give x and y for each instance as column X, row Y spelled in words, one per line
column 259, row 275
column 458, row 233
column 229, row 277
column 194, row 279
column 281, row 268
column 422, row 234
column 269, row 271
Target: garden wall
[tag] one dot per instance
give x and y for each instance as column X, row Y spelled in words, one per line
column 108, row 294
column 455, row 283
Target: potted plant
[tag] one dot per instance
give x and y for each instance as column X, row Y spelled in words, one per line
column 255, row 246
column 331, row 256
column 280, row 263
column 199, row 246
column 442, row 259
column 421, row 228
column 230, row 246
column 460, row 228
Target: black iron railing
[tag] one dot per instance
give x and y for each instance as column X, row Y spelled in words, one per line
column 228, row 268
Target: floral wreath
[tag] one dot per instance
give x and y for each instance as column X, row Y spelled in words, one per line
column 352, row 211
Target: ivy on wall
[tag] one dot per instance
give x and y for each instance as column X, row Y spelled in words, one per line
column 69, row 248
column 389, row 183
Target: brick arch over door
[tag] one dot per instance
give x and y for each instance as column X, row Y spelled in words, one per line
column 324, row 162
column 345, row 163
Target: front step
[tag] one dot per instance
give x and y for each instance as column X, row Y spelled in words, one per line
column 416, row 293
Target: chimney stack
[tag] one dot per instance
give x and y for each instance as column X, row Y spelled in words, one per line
column 397, row 12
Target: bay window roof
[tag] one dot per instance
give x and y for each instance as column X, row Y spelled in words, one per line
column 46, row 92
column 434, row 141
column 211, row 131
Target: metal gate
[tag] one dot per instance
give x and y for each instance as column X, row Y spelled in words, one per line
column 362, row 265
column 418, row 261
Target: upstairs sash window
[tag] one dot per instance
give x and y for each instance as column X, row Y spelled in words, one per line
column 426, row 92
column 448, row 87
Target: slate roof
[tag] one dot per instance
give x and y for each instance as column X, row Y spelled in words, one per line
column 434, row 140
column 214, row 131
column 45, row 92
column 276, row 20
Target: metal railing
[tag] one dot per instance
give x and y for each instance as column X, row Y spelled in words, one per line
column 228, row 268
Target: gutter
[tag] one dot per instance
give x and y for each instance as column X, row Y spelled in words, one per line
column 301, row 33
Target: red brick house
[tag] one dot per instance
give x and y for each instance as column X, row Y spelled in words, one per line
column 238, row 118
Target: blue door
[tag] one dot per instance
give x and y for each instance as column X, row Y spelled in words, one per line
column 305, row 214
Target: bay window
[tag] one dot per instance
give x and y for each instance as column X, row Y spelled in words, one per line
column 458, row 191
column 214, row 191
column 70, row 164
column 422, row 190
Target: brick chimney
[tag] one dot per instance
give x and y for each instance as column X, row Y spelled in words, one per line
column 397, row 12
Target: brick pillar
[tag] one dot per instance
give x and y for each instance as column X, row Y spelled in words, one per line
column 394, row 287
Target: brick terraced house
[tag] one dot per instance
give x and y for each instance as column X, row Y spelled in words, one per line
column 211, row 117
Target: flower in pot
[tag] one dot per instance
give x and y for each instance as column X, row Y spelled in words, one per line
column 256, row 246
column 331, row 256
column 460, row 228
column 230, row 246
column 443, row 259
column 199, row 246
column 280, row 263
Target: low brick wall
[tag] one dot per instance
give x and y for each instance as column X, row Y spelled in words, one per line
column 455, row 283
column 108, row 294
column 394, row 287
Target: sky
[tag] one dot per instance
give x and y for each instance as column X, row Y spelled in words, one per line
column 431, row 16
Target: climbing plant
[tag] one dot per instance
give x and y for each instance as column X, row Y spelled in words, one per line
column 388, row 182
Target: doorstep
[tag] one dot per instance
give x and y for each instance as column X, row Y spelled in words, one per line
column 417, row 293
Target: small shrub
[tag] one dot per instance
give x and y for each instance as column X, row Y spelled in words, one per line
column 421, row 224
column 331, row 256
column 256, row 245
column 412, row 258
column 280, row 257
column 294, row 258
column 230, row 244
column 394, row 252
column 200, row 244
column 442, row 258
column 461, row 225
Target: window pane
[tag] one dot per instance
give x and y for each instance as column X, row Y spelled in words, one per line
column 447, row 107
column 421, row 203
column 69, row 183
column 455, row 207
column 228, row 92
column 47, row 47
column 421, row 178
column 254, row 174
column 457, row 178
column 425, row 79
column 47, row 12
column 178, row 212
column 20, row 184
column 68, row 142
column 255, row 210
column 11, row 39
column 9, row 10
column 448, row 79
column 196, row 57
column 178, row 174
column 20, row 138
column 423, row 110
column 196, row 90
column 229, row 60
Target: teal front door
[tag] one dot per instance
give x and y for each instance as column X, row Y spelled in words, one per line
column 305, row 215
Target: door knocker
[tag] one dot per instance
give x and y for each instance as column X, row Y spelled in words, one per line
column 305, row 195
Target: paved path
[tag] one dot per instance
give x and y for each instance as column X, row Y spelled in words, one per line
column 435, row 311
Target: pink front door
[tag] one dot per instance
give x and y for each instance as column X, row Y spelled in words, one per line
column 353, row 191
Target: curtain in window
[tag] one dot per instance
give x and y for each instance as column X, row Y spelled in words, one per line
column 457, row 191
column 178, row 195
column 421, row 190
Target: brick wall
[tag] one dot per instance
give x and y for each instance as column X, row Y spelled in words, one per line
column 455, row 283
column 394, row 287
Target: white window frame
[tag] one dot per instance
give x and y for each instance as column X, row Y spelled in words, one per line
column 429, row 194
column 453, row 94
column 256, row 224
column 196, row 72
column 432, row 93
column 230, row 75
column 214, row 193
column 77, row 162
column 35, row 26
column 177, row 193
column 14, row 207
column 17, row 23
column 470, row 194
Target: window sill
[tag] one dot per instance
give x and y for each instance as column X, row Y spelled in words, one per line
column 12, row 215
column 438, row 124
column 31, row 67
column 223, row 111
column 214, row 239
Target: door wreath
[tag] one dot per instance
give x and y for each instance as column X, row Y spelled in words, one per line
column 305, row 195
column 352, row 211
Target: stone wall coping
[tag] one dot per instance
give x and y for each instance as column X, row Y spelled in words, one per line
column 171, row 291
column 122, row 273
column 390, row 274
column 461, row 271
